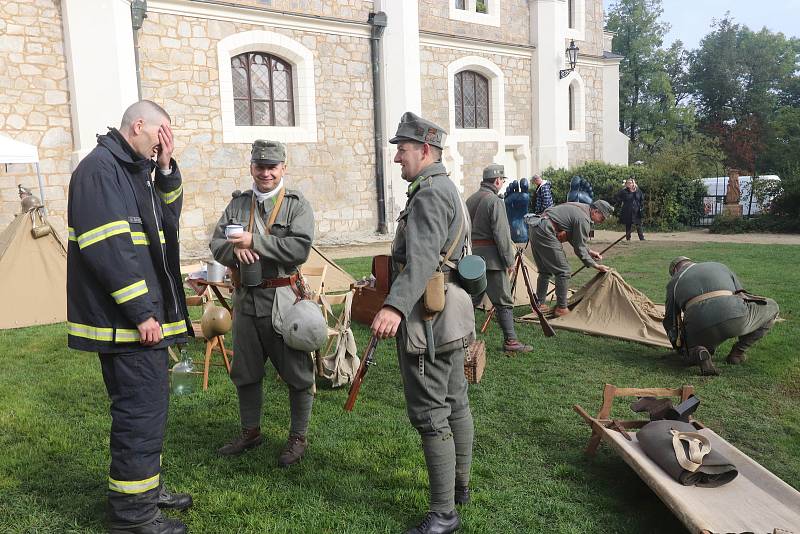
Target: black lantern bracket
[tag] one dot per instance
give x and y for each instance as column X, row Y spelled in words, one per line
column 572, row 60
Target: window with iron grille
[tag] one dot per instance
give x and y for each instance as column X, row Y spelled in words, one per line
column 471, row 100
column 571, row 104
column 571, row 14
column 262, row 90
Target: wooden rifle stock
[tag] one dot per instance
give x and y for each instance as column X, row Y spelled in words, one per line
column 546, row 328
column 366, row 361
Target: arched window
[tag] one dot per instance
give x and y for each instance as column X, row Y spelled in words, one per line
column 571, row 14
column 471, row 100
column 262, row 90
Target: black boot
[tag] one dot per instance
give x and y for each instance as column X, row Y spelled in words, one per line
column 437, row 523
column 175, row 501
column 159, row 525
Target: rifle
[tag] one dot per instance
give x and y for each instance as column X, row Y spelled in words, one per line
column 546, row 328
column 366, row 361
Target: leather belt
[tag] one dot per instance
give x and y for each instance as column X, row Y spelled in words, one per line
column 483, row 243
column 562, row 235
column 269, row 283
column 705, row 296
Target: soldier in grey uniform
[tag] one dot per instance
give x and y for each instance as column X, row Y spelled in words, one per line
column 568, row 222
column 705, row 305
column 434, row 384
column 276, row 251
column 491, row 239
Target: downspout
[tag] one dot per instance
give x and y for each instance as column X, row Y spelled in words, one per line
column 138, row 14
column 378, row 23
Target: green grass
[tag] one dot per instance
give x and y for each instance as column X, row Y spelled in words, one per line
column 364, row 471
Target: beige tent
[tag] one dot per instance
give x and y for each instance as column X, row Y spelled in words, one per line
column 608, row 306
column 520, row 292
column 336, row 278
column 33, row 275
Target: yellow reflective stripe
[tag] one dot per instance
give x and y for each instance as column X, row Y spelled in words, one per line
column 129, row 335
column 130, row 292
column 103, row 232
column 71, row 236
column 90, row 332
column 140, row 238
column 171, row 329
column 133, row 486
column 172, row 196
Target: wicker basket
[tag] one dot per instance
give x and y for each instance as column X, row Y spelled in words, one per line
column 475, row 361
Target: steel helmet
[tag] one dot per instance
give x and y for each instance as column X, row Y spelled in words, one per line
column 304, row 327
column 216, row 321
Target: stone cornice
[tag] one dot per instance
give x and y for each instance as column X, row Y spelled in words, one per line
column 226, row 11
column 471, row 44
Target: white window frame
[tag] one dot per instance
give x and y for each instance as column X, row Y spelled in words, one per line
column 578, row 132
column 468, row 14
column 303, row 87
column 497, row 113
column 579, row 31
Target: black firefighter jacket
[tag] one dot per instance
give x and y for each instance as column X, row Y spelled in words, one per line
column 123, row 258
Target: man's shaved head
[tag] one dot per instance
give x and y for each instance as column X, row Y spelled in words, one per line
column 149, row 111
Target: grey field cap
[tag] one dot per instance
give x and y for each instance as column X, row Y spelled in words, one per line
column 493, row 171
column 414, row 128
column 304, row 327
column 603, row 207
column 268, row 152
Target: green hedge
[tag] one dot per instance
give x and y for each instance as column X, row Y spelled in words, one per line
column 671, row 200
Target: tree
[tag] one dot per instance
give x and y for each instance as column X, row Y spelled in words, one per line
column 649, row 110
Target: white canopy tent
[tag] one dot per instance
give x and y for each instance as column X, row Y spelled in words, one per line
column 12, row 151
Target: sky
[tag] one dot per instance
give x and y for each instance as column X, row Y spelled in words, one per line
column 691, row 19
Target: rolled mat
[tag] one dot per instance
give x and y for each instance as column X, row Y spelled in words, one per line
column 656, row 440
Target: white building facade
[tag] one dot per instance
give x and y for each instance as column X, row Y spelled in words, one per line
column 302, row 72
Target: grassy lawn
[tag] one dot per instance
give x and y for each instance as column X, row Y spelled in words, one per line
column 364, row 471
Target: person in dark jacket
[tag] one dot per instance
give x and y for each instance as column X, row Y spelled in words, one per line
column 632, row 201
column 125, row 302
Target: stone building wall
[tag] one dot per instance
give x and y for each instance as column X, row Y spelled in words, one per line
column 434, row 16
column 477, row 155
column 591, row 148
column 593, row 39
column 356, row 10
column 336, row 174
column 517, row 97
column 34, row 103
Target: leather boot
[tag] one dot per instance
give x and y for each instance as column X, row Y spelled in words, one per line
column 544, row 308
column 249, row 438
column 437, row 523
column 736, row 356
column 175, row 501
column 462, row 494
column 514, row 345
column 561, row 312
column 159, row 525
column 294, row 450
column 701, row 356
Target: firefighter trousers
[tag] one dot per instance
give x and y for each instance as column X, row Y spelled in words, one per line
column 138, row 387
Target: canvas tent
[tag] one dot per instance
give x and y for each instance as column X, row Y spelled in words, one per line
column 520, row 292
column 33, row 275
column 336, row 278
column 12, row 151
column 608, row 306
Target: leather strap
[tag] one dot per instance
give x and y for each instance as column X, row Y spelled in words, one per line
column 273, row 214
column 705, row 296
column 269, row 283
column 483, row 243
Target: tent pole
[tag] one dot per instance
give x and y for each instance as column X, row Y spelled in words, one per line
column 41, row 189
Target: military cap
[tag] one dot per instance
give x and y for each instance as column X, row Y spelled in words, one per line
column 493, row 171
column 415, row 128
column 674, row 263
column 267, row 152
column 304, row 327
column 603, row 207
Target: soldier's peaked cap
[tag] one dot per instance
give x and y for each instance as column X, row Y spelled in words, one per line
column 603, row 207
column 414, row 128
column 493, row 171
column 674, row 263
column 267, row 152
